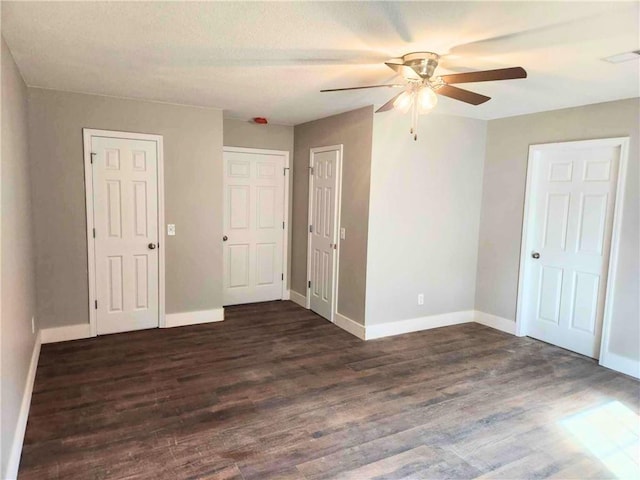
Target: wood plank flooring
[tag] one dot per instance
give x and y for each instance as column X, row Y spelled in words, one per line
column 275, row 391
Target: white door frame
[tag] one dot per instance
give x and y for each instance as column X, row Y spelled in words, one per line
column 336, row 233
column 285, row 231
column 87, row 133
column 535, row 152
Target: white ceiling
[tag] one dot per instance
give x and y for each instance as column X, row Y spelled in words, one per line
column 272, row 59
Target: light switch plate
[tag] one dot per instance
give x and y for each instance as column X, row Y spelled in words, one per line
column 171, row 229
column 343, row 233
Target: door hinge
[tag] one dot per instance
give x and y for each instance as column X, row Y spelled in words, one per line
column 96, row 304
column 310, row 228
column 283, row 225
column 284, row 171
column 282, row 276
column 92, row 155
column 94, row 233
column 310, row 170
column 309, row 283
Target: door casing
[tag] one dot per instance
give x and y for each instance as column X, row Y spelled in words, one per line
column 535, row 152
column 87, row 133
column 336, row 240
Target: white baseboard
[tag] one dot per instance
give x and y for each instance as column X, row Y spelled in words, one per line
column 298, row 298
column 68, row 332
column 493, row 321
column 193, row 318
column 621, row 364
column 23, row 415
column 351, row 326
column 416, row 324
column 286, row 295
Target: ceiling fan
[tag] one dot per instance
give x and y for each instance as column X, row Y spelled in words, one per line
column 421, row 85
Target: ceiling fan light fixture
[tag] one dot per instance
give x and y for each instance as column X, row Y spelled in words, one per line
column 404, row 101
column 426, row 100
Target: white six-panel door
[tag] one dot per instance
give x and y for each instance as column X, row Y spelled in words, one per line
column 125, row 217
column 566, row 255
column 324, row 187
column 254, row 212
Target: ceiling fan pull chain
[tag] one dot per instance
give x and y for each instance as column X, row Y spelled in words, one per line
column 414, row 117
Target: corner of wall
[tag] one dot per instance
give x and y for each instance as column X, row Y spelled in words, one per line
column 20, row 343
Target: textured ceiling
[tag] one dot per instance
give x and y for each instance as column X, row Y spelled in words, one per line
column 271, row 59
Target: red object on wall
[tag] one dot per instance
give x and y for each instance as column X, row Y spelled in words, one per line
column 260, row 120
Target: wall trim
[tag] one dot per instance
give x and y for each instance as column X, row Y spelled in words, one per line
column 607, row 358
column 351, row 326
column 621, row 364
column 193, row 318
column 493, row 321
column 298, row 298
column 23, row 415
column 417, row 324
column 286, row 295
column 65, row 333
column 83, row 330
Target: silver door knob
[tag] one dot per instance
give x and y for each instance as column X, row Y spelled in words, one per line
column 152, row 246
column 225, row 238
column 535, row 255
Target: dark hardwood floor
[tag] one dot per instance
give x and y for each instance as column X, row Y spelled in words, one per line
column 275, row 391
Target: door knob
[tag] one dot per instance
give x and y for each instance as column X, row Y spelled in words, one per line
column 535, row 255
column 152, row 246
column 225, row 238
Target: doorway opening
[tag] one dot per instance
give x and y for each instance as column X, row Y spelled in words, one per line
column 256, row 225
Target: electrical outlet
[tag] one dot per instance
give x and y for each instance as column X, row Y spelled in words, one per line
column 171, row 229
column 421, row 299
column 33, row 325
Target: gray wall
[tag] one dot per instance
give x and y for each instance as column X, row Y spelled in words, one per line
column 424, row 216
column 193, row 198
column 241, row 133
column 508, row 142
column 353, row 130
column 18, row 293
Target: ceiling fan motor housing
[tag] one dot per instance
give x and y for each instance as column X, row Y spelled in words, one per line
column 423, row 63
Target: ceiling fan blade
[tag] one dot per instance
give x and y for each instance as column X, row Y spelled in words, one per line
column 389, row 104
column 486, row 75
column 407, row 72
column 359, row 88
column 462, row 95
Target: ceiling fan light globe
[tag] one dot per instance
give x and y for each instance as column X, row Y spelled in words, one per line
column 427, row 99
column 403, row 102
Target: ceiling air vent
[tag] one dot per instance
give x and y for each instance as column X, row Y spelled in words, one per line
column 623, row 57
